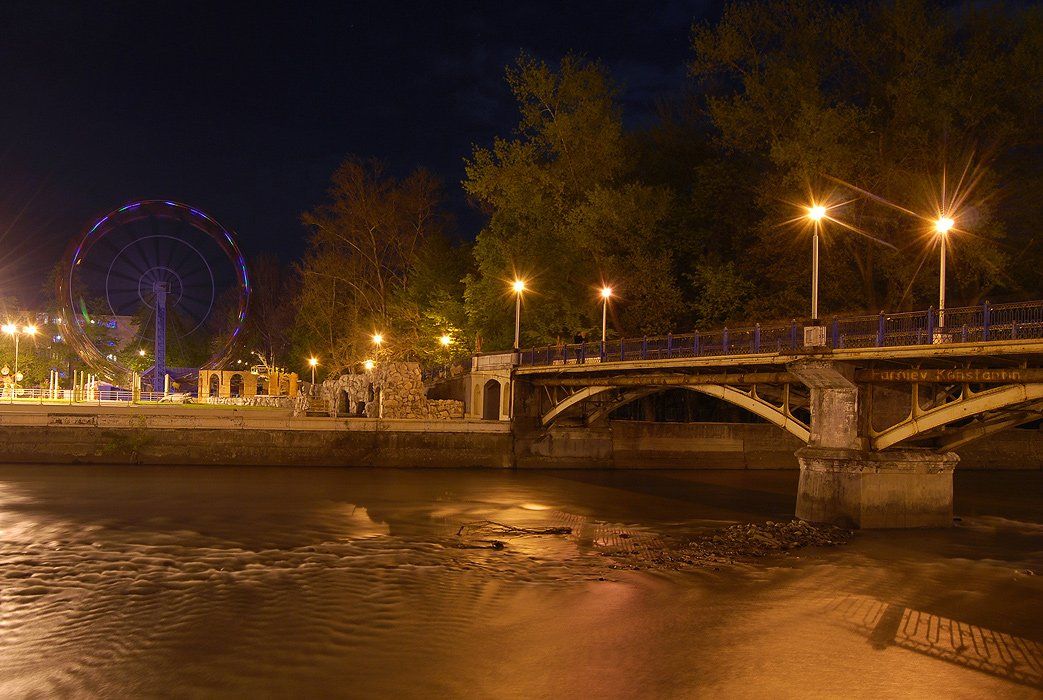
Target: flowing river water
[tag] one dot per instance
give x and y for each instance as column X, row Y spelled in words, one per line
column 280, row 582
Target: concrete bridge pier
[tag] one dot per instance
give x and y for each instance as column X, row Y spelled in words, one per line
column 843, row 482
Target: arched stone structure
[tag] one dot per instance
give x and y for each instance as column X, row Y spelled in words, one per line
column 241, row 384
column 491, row 400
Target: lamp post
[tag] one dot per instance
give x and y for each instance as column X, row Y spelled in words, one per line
column 606, row 293
column 816, row 213
column 518, row 287
column 942, row 226
column 12, row 330
column 313, row 362
column 446, row 340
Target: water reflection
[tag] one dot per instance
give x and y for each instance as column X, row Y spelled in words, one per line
column 283, row 582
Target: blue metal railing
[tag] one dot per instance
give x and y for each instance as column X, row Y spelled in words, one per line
column 972, row 324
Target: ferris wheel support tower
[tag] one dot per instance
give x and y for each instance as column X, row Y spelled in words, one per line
column 160, row 371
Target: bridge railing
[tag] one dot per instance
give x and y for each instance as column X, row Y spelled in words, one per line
column 983, row 323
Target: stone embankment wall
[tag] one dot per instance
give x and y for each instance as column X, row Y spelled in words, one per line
column 391, row 390
column 204, row 436
column 264, row 401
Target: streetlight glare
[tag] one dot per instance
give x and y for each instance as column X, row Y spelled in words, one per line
column 378, row 338
column 606, row 292
column 816, row 212
column 141, row 353
column 10, row 328
column 313, row 361
column 29, row 330
column 944, row 224
column 369, row 364
column 518, row 286
column 446, row 339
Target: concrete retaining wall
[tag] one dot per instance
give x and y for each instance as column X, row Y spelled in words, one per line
column 185, row 435
column 356, row 448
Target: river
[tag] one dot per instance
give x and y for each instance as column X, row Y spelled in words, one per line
column 279, row 582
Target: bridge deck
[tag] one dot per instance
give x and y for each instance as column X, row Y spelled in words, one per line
column 1010, row 349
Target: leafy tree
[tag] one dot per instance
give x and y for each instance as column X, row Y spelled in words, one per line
column 889, row 98
column 564, row 215
column 358, row 276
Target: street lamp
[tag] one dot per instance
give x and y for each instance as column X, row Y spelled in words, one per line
column 369, row 365
column 12, row 330
column 378, row 338
column 816, row 213
column 606, row 293
column 446, row 340
column 942, row 226
column 313, row 362
column 518, row 287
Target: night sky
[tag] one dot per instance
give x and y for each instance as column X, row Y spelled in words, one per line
column 246, row 112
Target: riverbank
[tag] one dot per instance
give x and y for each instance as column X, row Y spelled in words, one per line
column 211, row 435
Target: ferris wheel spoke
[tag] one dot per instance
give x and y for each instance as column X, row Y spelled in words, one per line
column 114, row 252
column 196, row 307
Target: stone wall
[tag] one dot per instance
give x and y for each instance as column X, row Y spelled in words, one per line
column 265, row 401
column 418, row 447
column 391, row 390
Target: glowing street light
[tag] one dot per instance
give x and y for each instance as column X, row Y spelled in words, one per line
column 942, row 226
column 141, row 353
column 816, row 213
column 518, row 286
column 369, row 365
column 12, row 330
column 378, row 339
column 313, row 363
column 606, row 294
column 446, row 340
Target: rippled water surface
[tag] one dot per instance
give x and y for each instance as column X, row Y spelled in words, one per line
column 268, row 582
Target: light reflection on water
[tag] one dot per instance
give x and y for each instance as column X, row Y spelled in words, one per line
column 242, row 581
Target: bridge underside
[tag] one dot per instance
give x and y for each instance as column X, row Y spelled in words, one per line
column 941, row 415
column 879, row 432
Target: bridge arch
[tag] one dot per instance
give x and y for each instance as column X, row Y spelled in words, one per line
column 969, row 405
column 748, row 400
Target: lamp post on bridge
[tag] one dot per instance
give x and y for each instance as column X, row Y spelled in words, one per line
column 816, row 213
column 606, row 293
column 815, row 334
column 518, row 286
column 942, row 226
column 313, row 363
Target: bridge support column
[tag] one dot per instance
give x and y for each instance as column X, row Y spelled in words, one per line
column 890, row 489
column 843, row 482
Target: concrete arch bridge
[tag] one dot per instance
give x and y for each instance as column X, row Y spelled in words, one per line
column 879, row 404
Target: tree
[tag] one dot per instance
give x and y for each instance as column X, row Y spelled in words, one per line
column 358, row 271
column 564, row 214
column 269, row 324
column 889, row 98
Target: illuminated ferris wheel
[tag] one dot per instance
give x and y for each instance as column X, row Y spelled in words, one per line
column 162, row 267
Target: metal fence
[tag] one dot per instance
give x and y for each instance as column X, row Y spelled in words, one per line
column 971, row 324
column 100, row 396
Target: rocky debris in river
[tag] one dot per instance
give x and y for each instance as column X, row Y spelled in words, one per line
column 740, row 542
column 476, row 535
